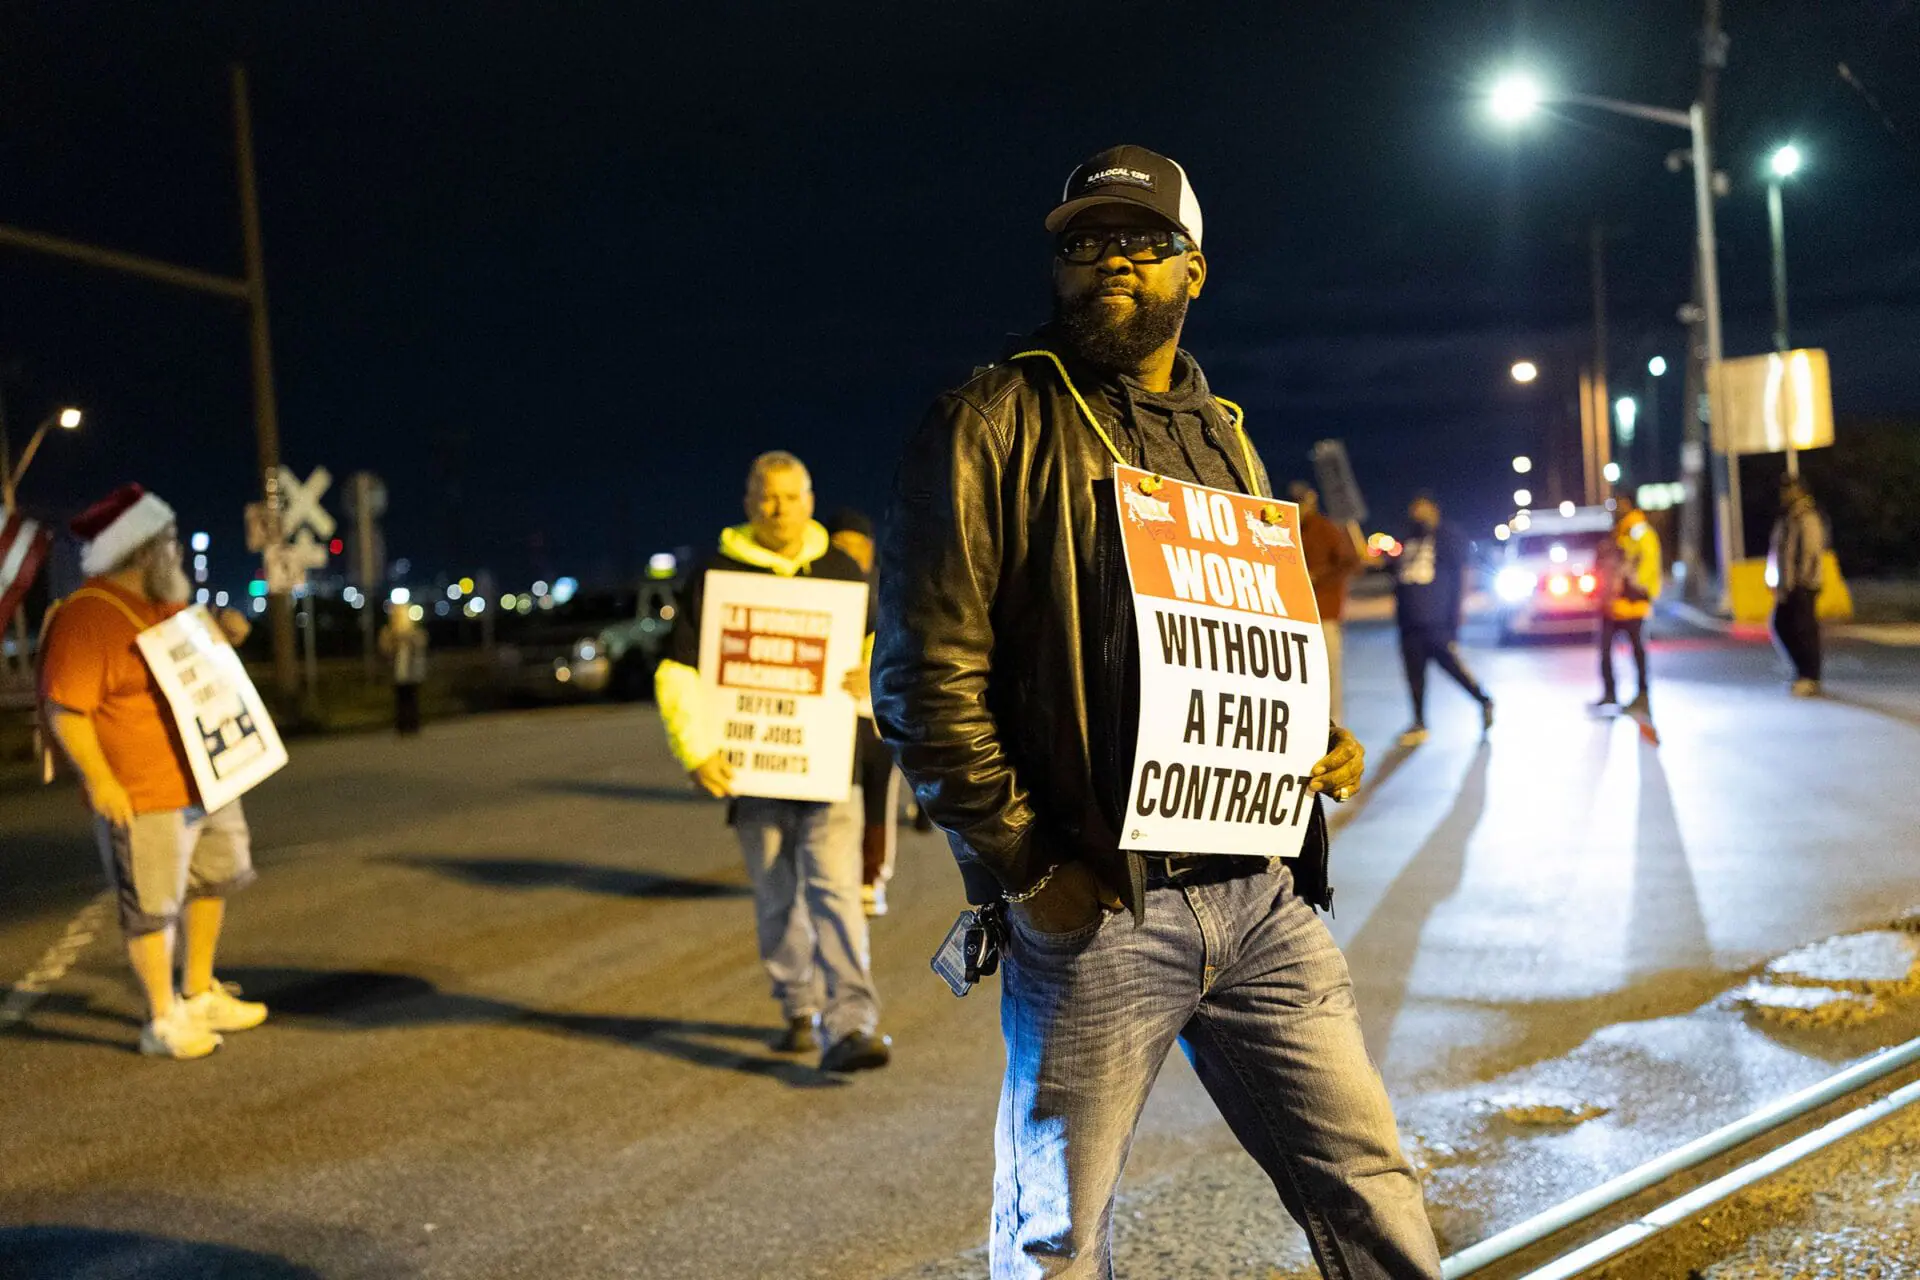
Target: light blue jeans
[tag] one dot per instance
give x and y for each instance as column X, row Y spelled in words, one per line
column 804, row 861
column 1244, row 975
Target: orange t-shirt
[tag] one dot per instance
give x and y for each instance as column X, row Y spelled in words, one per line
column 92, row 666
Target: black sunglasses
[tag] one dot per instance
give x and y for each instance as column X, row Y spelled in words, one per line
column 1137, row 244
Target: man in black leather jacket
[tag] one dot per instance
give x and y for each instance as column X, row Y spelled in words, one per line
column 1005, row 680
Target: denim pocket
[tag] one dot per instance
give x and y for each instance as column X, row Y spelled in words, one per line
column 1071, row 940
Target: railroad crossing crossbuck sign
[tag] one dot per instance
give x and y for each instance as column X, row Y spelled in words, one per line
column 303, row 522
column 300, row 503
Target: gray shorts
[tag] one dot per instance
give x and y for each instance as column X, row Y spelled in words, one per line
column 164, row 859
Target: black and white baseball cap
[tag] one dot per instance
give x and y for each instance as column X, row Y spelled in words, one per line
column 1136, row 176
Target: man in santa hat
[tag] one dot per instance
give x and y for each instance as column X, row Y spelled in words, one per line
column 170, row 863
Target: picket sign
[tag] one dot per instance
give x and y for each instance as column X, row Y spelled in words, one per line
column 1233, row 670
column 230, row 740
column 773, row 655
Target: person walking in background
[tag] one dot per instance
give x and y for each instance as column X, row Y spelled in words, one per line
column 170, row 863
column 1630, row 577
column 1332, row 560
column 852, row 532
column 1429, row 591
column 404, row 641
column 1796, row 556
column 802, row 856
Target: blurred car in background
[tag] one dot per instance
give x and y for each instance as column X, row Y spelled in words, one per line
column 1546, row 578
column 602, row 643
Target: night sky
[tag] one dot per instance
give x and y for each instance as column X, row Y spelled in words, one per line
column 559, row 271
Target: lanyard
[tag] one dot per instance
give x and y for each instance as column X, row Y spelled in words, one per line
column 1235, row 415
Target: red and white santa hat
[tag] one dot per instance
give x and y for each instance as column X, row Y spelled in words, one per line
column 117, row 526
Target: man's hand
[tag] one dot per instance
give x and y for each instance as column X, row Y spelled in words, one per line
column 1338, row 773
column 1072, row 899
column 715, row 775
column 110, row 800
column 859, row 684
column 235, row 625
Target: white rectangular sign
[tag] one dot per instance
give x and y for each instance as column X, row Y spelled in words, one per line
column 1233, row 670
column 774, row 653
column 230, row 740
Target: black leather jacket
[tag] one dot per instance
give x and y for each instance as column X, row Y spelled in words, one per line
column 1004, row 671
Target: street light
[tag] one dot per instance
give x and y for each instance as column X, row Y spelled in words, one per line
column 1657, row 366
column 1525, row 371
column 1517, row 96
column 1786, row 161
column 1627, row 410
column 1612, row 473
column 1523, row 498
column 10, row 473
column 1522, row 465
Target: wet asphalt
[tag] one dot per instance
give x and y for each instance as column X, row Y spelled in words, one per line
column 520, row 1030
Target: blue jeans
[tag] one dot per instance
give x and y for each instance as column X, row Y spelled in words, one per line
column 804, row 861
column 1245, row 976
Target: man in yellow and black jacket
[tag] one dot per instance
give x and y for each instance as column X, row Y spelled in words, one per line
column 1630, row 575
column 803, row 856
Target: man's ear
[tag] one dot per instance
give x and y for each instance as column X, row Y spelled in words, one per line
column 1196, row 273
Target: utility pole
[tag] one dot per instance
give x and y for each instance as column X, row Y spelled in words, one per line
column 1702, row 317
column 266, row 411
column 1599, row 410
column 250, row 289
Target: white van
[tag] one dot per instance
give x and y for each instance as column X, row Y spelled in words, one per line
column 1547, row 580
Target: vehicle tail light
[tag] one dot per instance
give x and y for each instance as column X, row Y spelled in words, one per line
column 1587, row 583
column 1559, row 584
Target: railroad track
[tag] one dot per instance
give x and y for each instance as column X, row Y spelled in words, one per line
column 1639, row 1224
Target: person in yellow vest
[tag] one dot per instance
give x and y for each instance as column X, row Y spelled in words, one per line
column 171, row 864
column 1630, row 578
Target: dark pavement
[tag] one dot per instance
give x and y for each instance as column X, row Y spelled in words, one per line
column 520, row 1031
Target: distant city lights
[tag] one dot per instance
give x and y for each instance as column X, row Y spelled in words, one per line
column 201, row 542
column 220, row 599
column 1501, row 533
column 400, row 595
column 1523, row 497
column 1612, row 472
column 1657, row 366
column 563, row 589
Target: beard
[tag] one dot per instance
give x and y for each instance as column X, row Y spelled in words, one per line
column 165, row 580
column 1119, row 343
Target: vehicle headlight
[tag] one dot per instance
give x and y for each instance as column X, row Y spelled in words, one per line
column 1514, row 583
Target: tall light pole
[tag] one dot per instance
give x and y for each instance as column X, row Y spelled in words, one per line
column 10, row 472
column 1783, row 165
column 1515, row 98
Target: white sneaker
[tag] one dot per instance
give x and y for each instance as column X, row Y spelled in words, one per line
column 178, row 1035
column 216, row 1009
